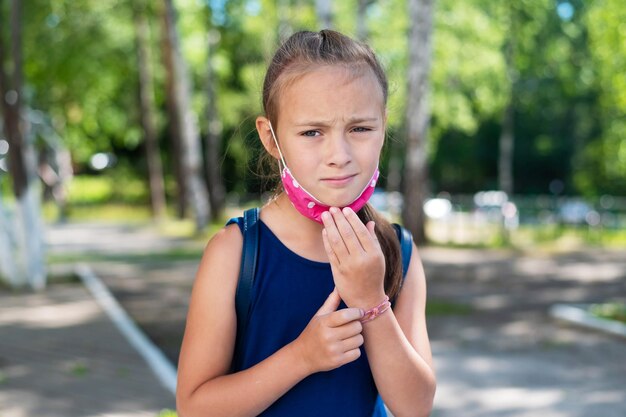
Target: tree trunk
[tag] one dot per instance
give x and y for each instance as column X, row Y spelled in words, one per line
column 26, row 226
column 505, row 157
column 191, row 161
column 173, row 122
column 284, row 22
column 361, row 19
column 146, row 98
column 324, row 10
column 214, row 132
column 418, row 116
column 507, row 135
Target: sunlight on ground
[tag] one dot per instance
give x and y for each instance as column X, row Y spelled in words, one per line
column 49, row 317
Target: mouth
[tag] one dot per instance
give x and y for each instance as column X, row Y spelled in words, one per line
column 339, row 180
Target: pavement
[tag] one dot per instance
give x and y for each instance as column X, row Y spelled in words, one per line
column 60, row 356
column 501, row 355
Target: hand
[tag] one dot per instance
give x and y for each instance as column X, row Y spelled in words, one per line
column 332, row 338
column 356, row 259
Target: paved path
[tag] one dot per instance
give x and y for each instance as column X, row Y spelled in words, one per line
column 60, row 356
column 506, row 358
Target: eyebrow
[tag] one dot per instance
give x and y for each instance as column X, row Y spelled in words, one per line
column 329, row 122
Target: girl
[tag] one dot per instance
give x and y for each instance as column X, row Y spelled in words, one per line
column 315, row 344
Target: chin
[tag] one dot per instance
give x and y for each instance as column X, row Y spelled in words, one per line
column 340, row 201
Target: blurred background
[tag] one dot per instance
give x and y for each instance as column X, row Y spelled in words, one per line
column 127, row 139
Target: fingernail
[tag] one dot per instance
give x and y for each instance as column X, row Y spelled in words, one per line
column 346, row 210
column 325, row 215
column 362, row 312
column 334, row 210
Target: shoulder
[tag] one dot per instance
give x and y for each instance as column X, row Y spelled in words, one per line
column 221, row 259
column 229, row 239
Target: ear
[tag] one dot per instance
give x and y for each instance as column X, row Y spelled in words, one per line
column 265, row 134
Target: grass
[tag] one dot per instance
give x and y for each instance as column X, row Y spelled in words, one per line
column 79, row 369
column 178, row 254
column 610, row 311
column 436, row 307
column 547, row 237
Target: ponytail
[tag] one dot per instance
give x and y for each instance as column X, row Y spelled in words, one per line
column 388, row 240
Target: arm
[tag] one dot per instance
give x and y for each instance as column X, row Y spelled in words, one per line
column 204, row 385
column 399, row 352
column 396, row 342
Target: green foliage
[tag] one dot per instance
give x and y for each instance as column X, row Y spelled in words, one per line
column 604, row 159
column 565, row 77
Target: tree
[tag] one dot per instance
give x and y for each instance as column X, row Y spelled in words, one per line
column 190, row 161
column 361, row 19
column 30, row 268
column 147, row 114
column 325, row 13
column 507, row 134
column 213, row 129
column 417, row 115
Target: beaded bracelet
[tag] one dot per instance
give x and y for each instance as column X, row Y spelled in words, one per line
column 372, row 313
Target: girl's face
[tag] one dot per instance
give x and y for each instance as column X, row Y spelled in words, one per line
column 331, row 128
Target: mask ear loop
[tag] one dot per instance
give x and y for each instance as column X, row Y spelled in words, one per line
column 282, row 159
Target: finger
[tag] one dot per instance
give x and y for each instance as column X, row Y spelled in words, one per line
column 334, row 237
column 361, row 231
column 329, row 251
column 331, row 304
column 353, row 342
column 346, row 231
column 344, row 316
column 352, row 355
column 349, row 330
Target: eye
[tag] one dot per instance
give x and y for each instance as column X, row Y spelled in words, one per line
column 359, row 129
column 310, row 133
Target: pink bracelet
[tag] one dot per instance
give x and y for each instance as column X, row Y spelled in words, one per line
column 372, row 313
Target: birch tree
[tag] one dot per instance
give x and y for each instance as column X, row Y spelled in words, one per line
column 361, row 19
column 27, row 244
column 213, row 130
column 190, row 162
column 324, row 10
column 417, row 115
column 148, row 123
column 507, row 135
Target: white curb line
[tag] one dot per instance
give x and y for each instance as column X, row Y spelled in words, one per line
column 158, row 362
column 578, row 314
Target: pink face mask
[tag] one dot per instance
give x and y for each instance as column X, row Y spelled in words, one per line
column 310, row 206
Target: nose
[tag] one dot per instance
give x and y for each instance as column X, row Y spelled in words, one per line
column 338, row 151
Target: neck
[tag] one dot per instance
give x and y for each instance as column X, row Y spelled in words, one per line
column 300, row 234
column 286, row 213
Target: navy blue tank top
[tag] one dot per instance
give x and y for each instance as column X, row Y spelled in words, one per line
column 288, row 290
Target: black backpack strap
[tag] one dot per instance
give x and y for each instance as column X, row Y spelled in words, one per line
column 406, row 247
column 250, row 229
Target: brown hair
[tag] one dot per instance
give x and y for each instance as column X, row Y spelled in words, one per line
column 304, row 52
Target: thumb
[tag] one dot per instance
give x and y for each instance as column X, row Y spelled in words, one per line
column 331, row 303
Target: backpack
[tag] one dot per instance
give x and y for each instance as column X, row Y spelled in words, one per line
column 249, row 224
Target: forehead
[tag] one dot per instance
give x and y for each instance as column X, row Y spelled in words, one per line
column 328, row 92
